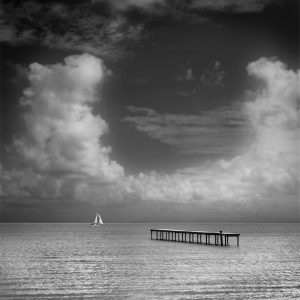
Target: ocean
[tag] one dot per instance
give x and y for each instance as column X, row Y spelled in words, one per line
column 119, row 261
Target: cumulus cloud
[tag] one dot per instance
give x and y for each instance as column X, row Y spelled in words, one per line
column 62, row 134
column 60, row 148
column 277, row 104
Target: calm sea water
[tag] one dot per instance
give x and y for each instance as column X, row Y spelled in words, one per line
column 119, row 261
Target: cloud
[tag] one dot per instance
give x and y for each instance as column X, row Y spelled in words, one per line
column 264, row 178
column 275, row 112
column 147, row 5
column 186, row 76
column 214, row 132
column 235, row 6
column 277, row 105
column 63, row 158
column 62, row 134
column 102, row 27
column 60, row 149
column 213, row 76
column 27, row 183
column 81, row 27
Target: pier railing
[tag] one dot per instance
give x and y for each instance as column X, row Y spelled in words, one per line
column 198, row 237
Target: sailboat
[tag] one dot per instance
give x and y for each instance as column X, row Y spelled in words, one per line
column 98, row 221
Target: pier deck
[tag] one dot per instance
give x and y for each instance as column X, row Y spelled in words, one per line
column 198, row 237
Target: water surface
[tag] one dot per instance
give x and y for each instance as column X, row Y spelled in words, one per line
column 119, row 261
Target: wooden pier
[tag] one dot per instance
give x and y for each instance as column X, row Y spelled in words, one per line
column 197, row 237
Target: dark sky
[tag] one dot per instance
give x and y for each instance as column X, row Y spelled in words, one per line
column 150, row 110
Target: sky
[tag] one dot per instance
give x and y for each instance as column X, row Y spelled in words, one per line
column 150, row 111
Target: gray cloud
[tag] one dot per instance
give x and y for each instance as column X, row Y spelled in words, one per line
column 157, row 6
column 186, row 75
column 233, row 6
column 217, row 131
column 102, row 27
column 213, row 76
column 73, row 27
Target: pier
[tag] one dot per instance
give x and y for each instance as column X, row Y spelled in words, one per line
column 197, row 237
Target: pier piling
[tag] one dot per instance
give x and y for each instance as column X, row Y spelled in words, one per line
column 220, row 238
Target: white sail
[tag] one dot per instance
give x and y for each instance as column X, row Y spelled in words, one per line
column 98, row 220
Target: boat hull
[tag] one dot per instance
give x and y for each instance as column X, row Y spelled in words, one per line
column 93, row 224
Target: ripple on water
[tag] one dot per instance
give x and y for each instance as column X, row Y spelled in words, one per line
column 54, row 261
